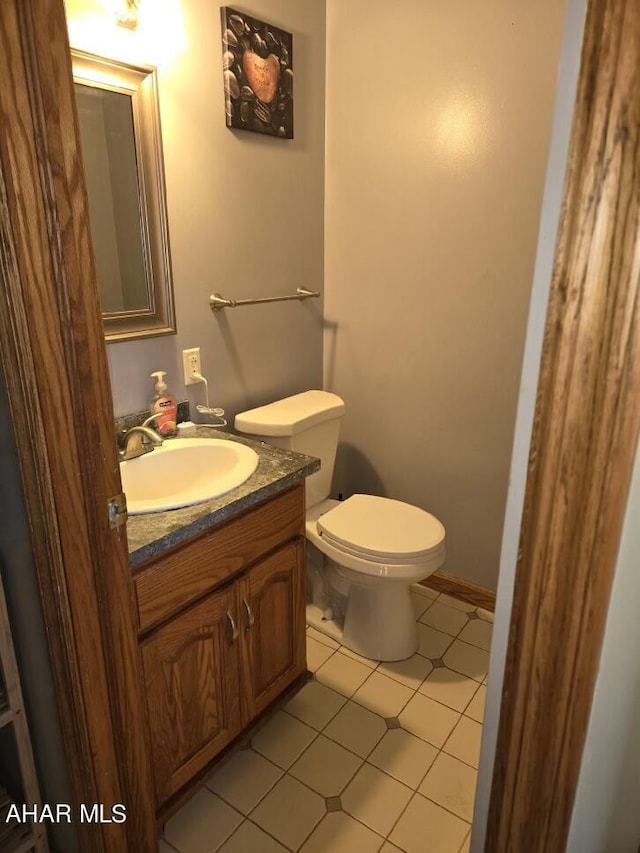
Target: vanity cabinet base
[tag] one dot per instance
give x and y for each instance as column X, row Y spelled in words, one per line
column 242, row 741
column 216, row 666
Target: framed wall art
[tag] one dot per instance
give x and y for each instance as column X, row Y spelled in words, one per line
column 257, row 61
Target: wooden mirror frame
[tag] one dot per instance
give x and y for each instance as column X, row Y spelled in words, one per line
column 139, row 82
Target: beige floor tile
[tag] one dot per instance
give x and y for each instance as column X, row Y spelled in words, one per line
column 203, row 824
column 420, row 603
column 403, row 756
column 432, row 643
column 356, row 728
column 325, row 639
column 478, row 633
column 383, row 695
column 388, row 847
column 424, row 826
column 338, row 832
column 249, row 838
column 475, row 708
column 410, row 672
column 429, row 720
column 372, row 664
column 317, row 654
column 375, row 799
column 283, row 739
column 456, row 603
column 315, row 704
column 343, row 674
column 444, row 618
column 464, row 741
column 244, row 780
column 452, row 785
column 290, row 812
column 326, row 767
column 468, row 660
column 450, row 688
column 466, row 846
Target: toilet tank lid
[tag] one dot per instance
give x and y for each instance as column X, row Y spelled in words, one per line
column 292, row 414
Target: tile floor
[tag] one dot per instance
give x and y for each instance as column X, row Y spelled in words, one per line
column 367, row 757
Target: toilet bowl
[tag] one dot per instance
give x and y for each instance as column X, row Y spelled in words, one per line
column 378, row 547
column 365, row 552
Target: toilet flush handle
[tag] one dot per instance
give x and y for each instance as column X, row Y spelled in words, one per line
column 250, row 616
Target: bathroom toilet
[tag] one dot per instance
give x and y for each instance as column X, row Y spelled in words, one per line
column 363, row 553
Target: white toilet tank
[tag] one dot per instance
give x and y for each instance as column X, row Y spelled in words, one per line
column 306, row 423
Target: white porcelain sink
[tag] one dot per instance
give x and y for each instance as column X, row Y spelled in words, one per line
column 185, row 471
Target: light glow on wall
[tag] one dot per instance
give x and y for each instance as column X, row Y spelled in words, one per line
column 460, row 128
column 158, row 39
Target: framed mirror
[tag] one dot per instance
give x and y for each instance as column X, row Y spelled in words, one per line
column 122, row 152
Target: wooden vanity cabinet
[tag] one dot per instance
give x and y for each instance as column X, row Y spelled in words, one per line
column 272, row 607
column 217, row 663
column 192, row 683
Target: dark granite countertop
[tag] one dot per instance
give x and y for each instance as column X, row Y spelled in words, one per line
column 150, row 534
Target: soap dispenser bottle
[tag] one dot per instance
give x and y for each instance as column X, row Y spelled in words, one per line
column 164, row 406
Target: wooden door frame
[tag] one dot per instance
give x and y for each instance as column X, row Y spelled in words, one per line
column 54, row 362
column 585, row 432
column 583, row 447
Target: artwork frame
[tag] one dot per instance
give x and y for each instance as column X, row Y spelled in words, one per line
column 257, row 68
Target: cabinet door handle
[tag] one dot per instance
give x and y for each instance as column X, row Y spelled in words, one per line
column 250, row 616
column 234, row 627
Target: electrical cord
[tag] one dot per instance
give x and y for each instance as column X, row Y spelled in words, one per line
column 207, row 410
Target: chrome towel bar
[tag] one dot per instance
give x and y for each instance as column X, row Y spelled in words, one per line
column 217, row 302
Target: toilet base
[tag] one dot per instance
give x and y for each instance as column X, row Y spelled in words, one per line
column 378, row 624
column 316, row 619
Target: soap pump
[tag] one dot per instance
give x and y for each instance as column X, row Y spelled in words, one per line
column 164, row 406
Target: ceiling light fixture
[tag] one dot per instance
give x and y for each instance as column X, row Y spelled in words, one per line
column 127, row 15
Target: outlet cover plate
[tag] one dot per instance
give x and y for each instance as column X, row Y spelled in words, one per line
column 191, row 365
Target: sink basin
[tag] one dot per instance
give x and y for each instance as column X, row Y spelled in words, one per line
column 185, row 471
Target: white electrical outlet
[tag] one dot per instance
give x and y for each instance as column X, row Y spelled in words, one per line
column 191, row 364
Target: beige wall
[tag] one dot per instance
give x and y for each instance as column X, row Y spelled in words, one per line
column 438, row 126
column 436, row 137
column 245, row 210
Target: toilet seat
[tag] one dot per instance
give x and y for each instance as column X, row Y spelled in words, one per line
column 381, row 531
column 371, row 551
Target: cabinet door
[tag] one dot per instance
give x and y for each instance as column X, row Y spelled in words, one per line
column 272, row 611
column 191, row 672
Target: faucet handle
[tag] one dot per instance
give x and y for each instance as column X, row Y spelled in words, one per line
column 121, row 437
column 137, row 441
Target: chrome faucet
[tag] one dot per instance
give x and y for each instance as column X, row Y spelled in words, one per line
column 137, row 441
column 152, row 418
